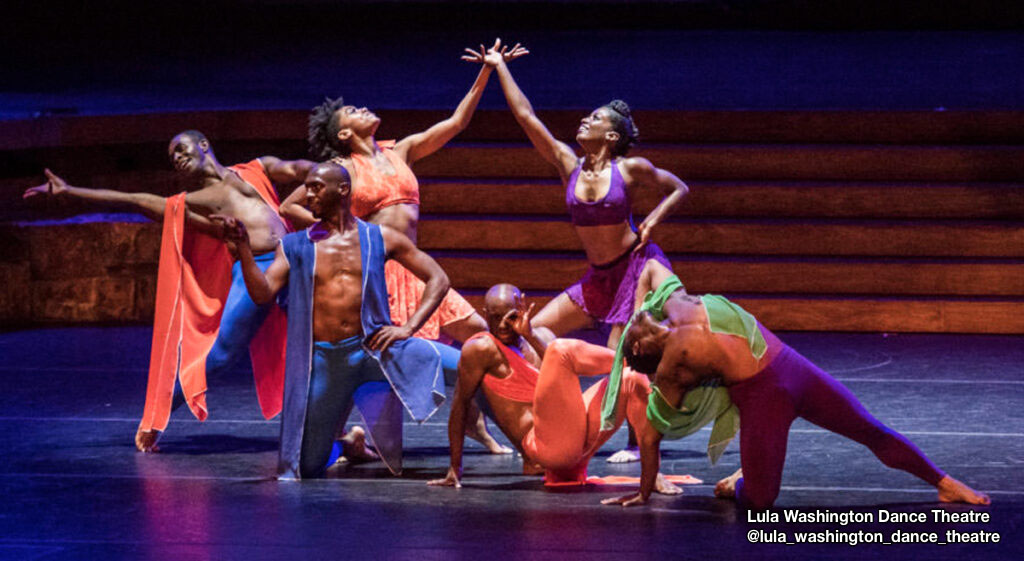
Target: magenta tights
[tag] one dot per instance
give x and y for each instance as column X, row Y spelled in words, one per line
column 790, row 387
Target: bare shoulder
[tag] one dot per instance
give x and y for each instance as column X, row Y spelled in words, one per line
column 637, row 166
column 481, row 350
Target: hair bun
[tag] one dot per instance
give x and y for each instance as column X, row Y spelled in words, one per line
column 620, row 107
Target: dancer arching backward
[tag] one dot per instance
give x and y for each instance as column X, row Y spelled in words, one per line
column 341, row 344
column 206, row 331
column 598, row 188
column 553, row 423
column 771, row 385
column 385, row 192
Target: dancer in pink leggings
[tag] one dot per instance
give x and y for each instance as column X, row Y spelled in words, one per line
column 553, row 423
column 770, row 383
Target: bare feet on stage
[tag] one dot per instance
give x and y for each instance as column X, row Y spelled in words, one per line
column 532, row 468
column 478, row 432
column 625, row 456
column 354, row 448
column 666, row 487
column 145, row 440
column 953, row 491
column 726, row 488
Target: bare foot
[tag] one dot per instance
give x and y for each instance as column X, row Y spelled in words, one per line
column 531, row 468
column 145, row 440
column 354, row 446
column 666, row 487
column 726, row 488
column 483, row 437
column 953, row 491
column 625, row 456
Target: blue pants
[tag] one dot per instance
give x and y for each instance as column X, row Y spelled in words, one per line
column 241, row 320
column 343, row 372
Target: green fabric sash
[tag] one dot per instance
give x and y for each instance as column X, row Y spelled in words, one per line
column 726, row 317
column 704, row 404
column 653, row 302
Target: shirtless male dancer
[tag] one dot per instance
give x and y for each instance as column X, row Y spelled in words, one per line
column 771, row 384
column 386, row 192
column 244, row 191
column 552, row 423
column 337, row 306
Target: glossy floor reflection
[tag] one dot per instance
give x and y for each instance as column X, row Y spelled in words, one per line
column 74, row 487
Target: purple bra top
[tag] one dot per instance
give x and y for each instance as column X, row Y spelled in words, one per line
column 614, row 208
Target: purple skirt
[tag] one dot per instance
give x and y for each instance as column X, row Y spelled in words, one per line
column 607, row 292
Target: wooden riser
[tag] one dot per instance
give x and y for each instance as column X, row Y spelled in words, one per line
column 792, row 238
column 869, row 127
column 746, row 199
column 888, row 315
column 760, row 276
column 757, row 162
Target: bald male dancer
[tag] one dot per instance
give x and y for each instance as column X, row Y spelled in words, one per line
column 543, row 412
column 770, row 383
column 341, row 343
column 214, row 337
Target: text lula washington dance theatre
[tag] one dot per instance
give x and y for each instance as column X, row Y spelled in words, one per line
column 843, row 518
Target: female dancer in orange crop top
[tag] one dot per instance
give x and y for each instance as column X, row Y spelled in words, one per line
column 385, row 191
column 598, row 186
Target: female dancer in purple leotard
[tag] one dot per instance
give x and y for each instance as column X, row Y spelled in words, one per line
column 598, row 187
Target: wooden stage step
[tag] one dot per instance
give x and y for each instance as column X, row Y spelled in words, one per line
column 839, row 313
column 703, row 274
column 865, row 127
column 803, row 238
column 757, row 162
column 792, row 199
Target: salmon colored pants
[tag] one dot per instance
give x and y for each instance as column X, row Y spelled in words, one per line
column 566, row 420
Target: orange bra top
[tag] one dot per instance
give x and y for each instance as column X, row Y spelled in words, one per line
column 373, row 190
column 521, row 383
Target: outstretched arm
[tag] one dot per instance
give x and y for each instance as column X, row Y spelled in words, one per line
column 554, row 152
column 401, row 249
column 641, row 172
column 420, row 145
column 476, row 359
column 262, row 287
column 286, row 172
column 152, row 206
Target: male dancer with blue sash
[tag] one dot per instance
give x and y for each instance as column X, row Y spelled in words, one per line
column 341, row 344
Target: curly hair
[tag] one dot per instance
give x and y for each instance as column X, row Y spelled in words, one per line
column 622, row 123
column 323, row 131
column 642, row 363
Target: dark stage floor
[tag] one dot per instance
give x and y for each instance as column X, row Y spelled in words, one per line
column 74, row 487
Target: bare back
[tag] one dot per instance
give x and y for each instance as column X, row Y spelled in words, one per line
column 337, row 287
column 697, row 353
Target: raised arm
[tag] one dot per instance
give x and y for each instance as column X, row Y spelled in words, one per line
column 651, row 277
column 641, row 173
column 294, row 210
column 423, row 144
column 476, row 359
column 286, row 172
column 262, row 287
column 401, row 249
column 557, row 153
column 152, row 206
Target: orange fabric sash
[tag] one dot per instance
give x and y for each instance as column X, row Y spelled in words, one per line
column 193, row 279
